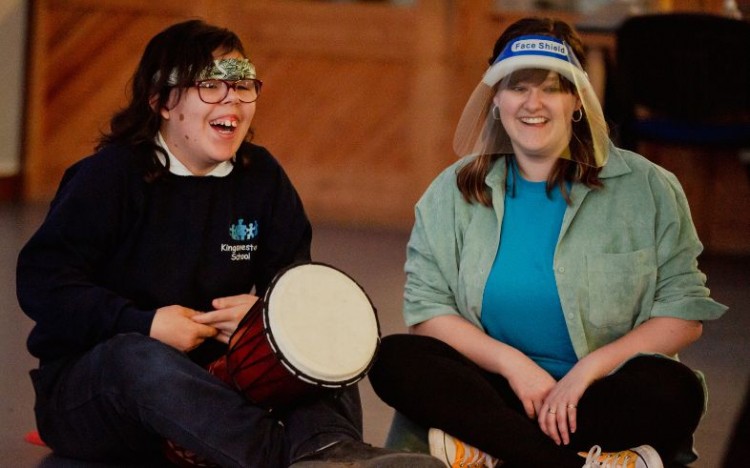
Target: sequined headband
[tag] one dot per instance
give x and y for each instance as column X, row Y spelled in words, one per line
column 229, row 69
column 221, row 69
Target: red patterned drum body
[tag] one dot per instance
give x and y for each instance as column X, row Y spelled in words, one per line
column 315, row 328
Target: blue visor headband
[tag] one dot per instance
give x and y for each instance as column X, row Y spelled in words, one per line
column 546, row 46
column 534, row 51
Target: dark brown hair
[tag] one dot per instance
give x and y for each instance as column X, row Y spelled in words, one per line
column 471, row 176
column 172, row 60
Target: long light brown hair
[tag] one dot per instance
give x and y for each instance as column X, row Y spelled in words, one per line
column 471, row 176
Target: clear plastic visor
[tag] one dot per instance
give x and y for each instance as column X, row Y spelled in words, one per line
column 527, row 68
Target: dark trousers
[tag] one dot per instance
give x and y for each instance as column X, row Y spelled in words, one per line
column 123, row 398
column 650, row 400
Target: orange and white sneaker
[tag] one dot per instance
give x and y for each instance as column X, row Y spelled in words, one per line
column 456, row 454
column 643, row 456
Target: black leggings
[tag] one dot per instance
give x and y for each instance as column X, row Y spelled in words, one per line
column 650, row 400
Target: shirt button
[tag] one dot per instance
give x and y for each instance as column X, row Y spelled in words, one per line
column 561, row 269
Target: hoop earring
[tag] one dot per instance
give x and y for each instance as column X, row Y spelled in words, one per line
column 580, row 115
column 495, row 111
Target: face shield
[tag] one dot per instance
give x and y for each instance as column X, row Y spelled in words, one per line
column 480, row 130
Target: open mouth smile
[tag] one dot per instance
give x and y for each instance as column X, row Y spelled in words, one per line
column 534, row 120
column 224, row 125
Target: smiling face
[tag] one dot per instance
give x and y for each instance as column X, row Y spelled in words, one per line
column 536, row 112
column 204, row 135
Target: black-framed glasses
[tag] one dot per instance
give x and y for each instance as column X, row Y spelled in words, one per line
column 215, row 91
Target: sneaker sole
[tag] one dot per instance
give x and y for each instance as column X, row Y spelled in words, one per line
column 437, row 446
column 649, row 455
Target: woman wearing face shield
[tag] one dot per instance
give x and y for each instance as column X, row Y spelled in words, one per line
column 552, row 279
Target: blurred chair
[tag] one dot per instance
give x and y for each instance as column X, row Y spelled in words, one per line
column 680, row 95
column 683, row 79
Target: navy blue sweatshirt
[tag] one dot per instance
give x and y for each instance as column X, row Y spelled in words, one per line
column 114, row 248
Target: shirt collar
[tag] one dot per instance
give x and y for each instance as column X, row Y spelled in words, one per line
column 616, row 165
column 177, row 168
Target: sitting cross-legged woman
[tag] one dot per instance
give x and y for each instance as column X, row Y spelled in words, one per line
column 551, row 280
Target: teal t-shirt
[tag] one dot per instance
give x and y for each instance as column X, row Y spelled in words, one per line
column 521, row 306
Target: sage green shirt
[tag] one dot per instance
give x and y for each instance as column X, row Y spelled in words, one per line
column 626, row 252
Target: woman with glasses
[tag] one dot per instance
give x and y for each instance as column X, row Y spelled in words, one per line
column 552, row 278
column 135, row 282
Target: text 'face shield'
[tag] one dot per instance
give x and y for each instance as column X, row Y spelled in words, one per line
column 480, row 130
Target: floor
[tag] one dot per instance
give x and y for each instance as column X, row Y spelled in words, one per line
column 375, row 259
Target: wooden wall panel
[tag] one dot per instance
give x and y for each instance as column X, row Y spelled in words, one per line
column 80, row 62
column 359, row 104
column 354, row 100
column 355, row 106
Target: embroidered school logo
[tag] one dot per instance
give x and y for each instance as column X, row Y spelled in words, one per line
column 242, row 231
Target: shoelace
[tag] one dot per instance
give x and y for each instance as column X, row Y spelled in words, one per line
column 610, row 460
column 617, row 459
column 475, row 458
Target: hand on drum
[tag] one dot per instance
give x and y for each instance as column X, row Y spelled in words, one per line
column 227, row 315
column 174, row 326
